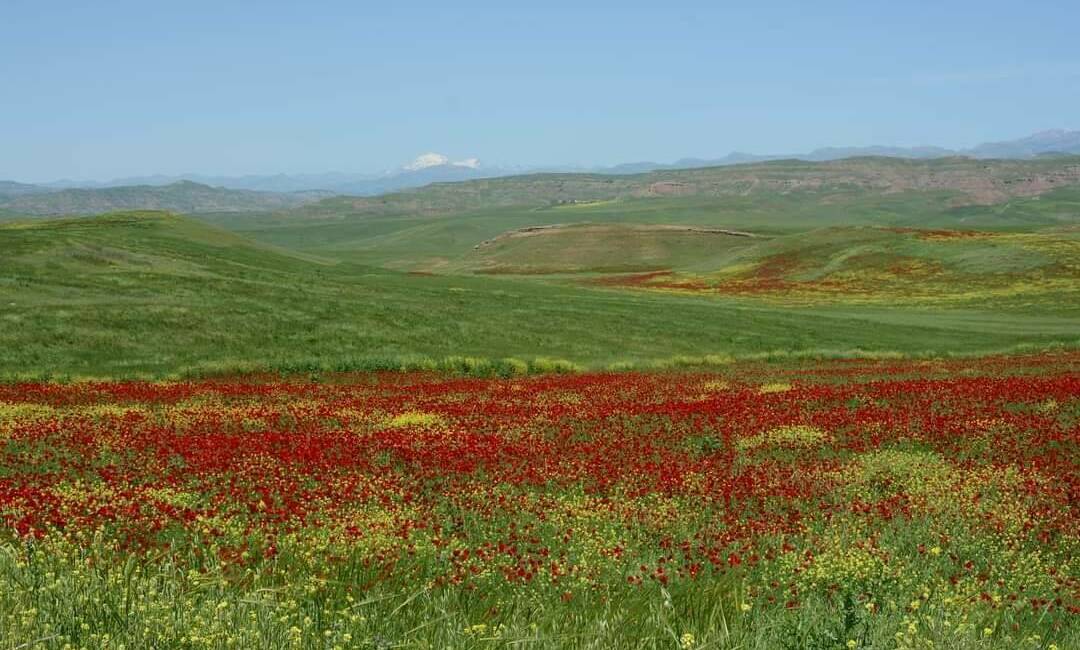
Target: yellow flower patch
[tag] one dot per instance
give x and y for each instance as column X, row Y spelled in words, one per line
column 778, row 387
column 845, row 560
column 98, row 411
column 415, row 419
column 14, row 413
column 799, row 435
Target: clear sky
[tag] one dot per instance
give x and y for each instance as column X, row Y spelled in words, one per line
column 98, row 90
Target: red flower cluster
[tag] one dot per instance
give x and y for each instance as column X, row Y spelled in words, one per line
column 580, row 480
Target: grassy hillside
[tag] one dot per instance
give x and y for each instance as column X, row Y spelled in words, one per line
column 184, row 196
column 602, row 248
column 855, row 231
column 840, row 264
column 969, row 182
column 848, row 265
column 436, row 228
column 858, row 240
column 155, row 294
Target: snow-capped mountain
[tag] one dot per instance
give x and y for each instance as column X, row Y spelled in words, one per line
column 424, row 169
column 428, row 160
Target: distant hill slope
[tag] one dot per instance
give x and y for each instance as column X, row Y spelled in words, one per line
column 632, row 223
column 331, row 182
column 11, row 189
column 185, row 197
column 973, row 182
column 602, row 248
column 1018, row 271
column 1027, row 266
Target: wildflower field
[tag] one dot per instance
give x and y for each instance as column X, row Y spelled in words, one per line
column 838, row 504
column 883, row 265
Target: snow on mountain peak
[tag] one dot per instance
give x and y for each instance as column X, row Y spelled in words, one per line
column 432, row 159
column 426, row 160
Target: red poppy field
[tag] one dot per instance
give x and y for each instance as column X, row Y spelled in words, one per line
column 841, row 504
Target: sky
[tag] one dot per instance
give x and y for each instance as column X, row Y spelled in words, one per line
column 107, row 89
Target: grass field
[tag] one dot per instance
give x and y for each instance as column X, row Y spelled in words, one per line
column 781, row 406
column 424, row 228
column 152, row 295
column 810, row 247
column 1026, row 271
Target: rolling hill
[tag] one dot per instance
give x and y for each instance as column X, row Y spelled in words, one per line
column 971, row 182
column 185, row 196
column 887, row 265
column 602, row 248
column 437, row 228
column 947, row 234
column 871, row 255
column 11, row 189
column 153, row 294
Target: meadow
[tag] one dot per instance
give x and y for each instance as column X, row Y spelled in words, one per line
column 842, row 504
column 152, row 295
column 732, row 237
column 785, row 405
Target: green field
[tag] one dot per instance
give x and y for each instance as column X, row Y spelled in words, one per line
column 437, row 228
column 751, row 488
column 632, row 275
column 156, row 295
column 835, row 242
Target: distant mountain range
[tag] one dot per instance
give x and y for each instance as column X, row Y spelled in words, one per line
column 1044, row 143
column 955, row 182
column 433, row 167
column 197, row 193
column 183, row 196
column 11, row 189
column 425, row 169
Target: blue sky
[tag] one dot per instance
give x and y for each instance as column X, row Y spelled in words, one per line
column 109, row 89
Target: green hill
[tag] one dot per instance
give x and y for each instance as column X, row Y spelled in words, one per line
column 448, row 243
column 156, row 294
column 837, row 264
column 968, row 181
column 888, row 265
column 603, row 248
